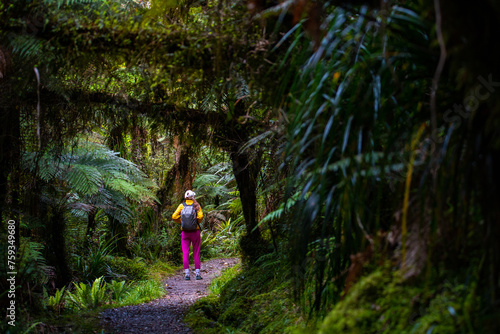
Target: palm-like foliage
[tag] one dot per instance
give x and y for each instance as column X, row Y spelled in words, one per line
column 360, row 132
column 356, row 134
column 94, row 178
column 93, row 265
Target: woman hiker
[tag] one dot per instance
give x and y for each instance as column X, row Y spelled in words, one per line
column 189, row 215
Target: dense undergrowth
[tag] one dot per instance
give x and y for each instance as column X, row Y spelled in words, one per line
column 339, row 123
column 139, row 282
column 114, row 263
column 259, row 299
column 382, row 302
column 249, row 300
column 106, row 279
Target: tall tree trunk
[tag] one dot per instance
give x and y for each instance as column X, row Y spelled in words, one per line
column 246, row 168
column 91, row 224
column 10, row 148
column 120, row 234
column 57, row 247
column 181, row 176
column 245, row 173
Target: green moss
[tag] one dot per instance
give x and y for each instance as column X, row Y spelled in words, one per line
column 236, row 313
column 160, row 270
column 204, row 314
column 356, row 312
column 132, row 269
column 273, row 312
column 250, row 301
column 209, row 306
column 196, row 320
column 257, row 300
column 382, row 303
column 445, row 313
column 219, row 282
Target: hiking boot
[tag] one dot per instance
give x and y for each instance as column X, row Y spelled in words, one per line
column 187, row 278
column 198, row 276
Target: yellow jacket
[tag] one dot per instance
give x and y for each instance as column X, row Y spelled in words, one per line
column 176, row 216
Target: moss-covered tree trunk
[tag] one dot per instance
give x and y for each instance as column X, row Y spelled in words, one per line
column 246, row 168
column 246, row 172
column 180, row 177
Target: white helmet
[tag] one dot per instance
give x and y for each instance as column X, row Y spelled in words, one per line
column 189, row 194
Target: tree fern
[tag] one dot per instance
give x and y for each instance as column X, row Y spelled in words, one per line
column 214, row 182
column 94, row 177
column 84, row 179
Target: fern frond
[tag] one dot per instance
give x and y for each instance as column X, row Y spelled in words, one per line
column 45, row 166
column 257, row 139
column 273, row 216
column 278, row 213
column 221, row 168
column 84, row 179
column 205, row 179
column 26, row 46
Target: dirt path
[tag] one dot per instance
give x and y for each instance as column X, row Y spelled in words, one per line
column 165, row 315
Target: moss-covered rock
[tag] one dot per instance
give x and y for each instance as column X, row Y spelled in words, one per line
column 357, row 312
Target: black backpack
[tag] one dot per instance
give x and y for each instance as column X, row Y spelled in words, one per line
column 188, row 218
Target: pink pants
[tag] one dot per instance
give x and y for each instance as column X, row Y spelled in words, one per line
column 188, row 238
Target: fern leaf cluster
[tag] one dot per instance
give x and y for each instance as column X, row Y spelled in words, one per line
column 93, row 177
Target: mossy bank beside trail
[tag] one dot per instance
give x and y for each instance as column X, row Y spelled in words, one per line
column 382, row 302
column 258, row 299
column 249, row 300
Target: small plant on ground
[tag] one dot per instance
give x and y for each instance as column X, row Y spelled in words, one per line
column 229, row 235
column 224, row 240
column 56, row 302
column 118, row 290
column 207, row 247
column 94, row 264
column 142, row 292
column 89, row 296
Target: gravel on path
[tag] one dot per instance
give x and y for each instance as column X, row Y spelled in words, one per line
column 165, row 315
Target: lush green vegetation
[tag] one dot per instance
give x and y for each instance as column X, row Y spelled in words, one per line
column 256, row 300
column 346, row 150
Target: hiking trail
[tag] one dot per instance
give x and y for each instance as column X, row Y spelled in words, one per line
column 165, row 315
